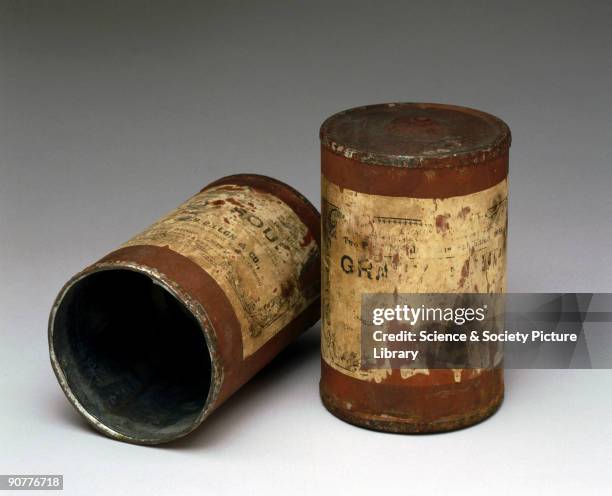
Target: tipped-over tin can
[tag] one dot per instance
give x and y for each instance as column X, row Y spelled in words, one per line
column 414, row 201
column 149, row 340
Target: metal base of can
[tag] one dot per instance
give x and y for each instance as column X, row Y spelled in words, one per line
column 402, row 425
column 407, row 422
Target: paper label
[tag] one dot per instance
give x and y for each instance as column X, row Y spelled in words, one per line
column 253, row 245
column 383, row 244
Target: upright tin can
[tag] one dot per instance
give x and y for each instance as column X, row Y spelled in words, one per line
column 414, row 200
column 150, row 339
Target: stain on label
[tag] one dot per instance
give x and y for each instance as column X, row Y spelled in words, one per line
column 383, row 244
column 253, row 245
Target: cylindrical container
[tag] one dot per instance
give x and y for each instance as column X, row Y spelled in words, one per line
column 414, row 200
column 153, row 337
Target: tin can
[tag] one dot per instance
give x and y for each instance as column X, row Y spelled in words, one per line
column 153, row 337
column 414, row 200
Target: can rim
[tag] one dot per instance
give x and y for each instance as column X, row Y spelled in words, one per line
column 182, row 297
column 440, row 159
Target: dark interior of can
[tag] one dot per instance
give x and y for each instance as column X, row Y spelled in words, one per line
column 133, row 355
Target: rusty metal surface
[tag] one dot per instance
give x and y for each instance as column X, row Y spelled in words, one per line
column 98, row 389
column 415, row 135
column 415, row 196
column 432, row 405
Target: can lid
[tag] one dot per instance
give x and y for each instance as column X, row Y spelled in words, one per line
column 419, row 135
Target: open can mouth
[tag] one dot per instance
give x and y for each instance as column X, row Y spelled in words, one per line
column 134, row 353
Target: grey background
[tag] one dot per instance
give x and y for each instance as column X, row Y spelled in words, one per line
column 112, row 113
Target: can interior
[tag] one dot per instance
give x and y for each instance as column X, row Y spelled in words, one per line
column 132, row 354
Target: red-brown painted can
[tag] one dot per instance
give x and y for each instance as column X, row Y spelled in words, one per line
column 414, row 200
column 152, row 338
